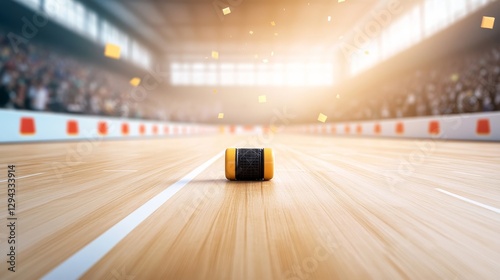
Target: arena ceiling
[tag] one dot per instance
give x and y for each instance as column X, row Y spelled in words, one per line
column 191, row 29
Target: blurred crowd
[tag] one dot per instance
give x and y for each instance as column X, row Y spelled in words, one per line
column 463, row 84
column 39, row 79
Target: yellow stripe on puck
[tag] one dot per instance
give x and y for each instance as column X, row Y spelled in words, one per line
column 268, row 164
column 231, row 163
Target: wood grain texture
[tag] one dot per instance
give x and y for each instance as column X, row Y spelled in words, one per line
column 338, row 208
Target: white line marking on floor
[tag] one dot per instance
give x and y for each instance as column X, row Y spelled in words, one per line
column 72, row 162
column 466, row 173
column 78, row 264
column 491, row 208
column 119, row 170
column 17, row 178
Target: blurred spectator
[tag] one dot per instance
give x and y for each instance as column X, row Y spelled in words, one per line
column 6, row 90
column 39, row 96
column 20, row 92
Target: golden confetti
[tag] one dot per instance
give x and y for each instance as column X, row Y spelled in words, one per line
column 340, row 1
column 251, row 32
column 273, row 23
column 265, row 60
column 488, row 22
column 276, row 34
column 454, row 77
column 262, row 99
column 367, row 52
column 338, row 96
column 215, row 55
column 322, row 118
column 215, row 91
column 135, row 81
column 329, row 18
column 221, row 116
column 272, row 53
column 256, row 56
column 226, row 11
column 112, row 51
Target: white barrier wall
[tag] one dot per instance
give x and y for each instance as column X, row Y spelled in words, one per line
column 26, row 126
column 474, row 126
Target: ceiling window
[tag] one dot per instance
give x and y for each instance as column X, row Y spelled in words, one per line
column 250, row 74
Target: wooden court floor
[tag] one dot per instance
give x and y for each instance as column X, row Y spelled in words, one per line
column 338, row 208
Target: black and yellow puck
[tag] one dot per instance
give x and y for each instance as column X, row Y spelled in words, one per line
column 249, row 164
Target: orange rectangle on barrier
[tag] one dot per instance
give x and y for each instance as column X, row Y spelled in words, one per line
column 400, row 128
column 142, row 129
column 483, row 127
column 125, row 129
column 434, row 127
column 102, row 128
column 72, row 127
column 377, row 129
column 27, row 126
column 347, row 129
column 359, row 129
